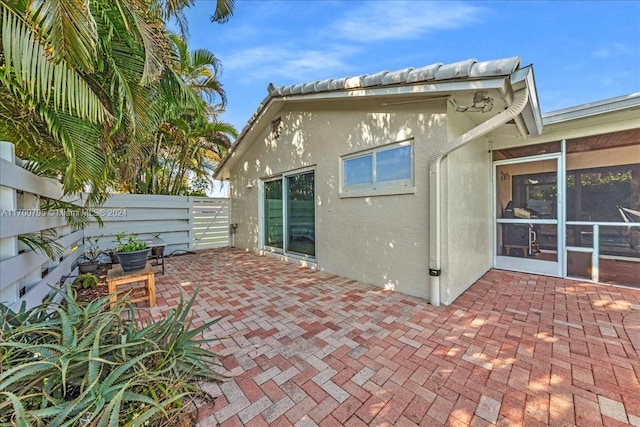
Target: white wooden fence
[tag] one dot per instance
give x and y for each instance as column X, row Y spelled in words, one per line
column 27, row 275
column 184, row 223
column 210, row 224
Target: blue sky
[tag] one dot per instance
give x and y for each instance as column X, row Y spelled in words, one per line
column 581, row 51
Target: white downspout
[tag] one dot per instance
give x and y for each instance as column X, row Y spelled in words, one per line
column 520, row 99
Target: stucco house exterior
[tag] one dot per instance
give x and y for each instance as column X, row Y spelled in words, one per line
column 422, row 179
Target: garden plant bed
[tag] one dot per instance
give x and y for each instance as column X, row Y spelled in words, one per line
column 99, row 291
column 91, row 294
column 152, row 375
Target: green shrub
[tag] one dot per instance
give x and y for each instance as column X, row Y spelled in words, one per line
column 131, row 244
column 73, row 364
column 86, row 281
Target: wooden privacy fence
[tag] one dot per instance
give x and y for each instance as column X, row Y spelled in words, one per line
column 210, row 224
column 185, row 223
column 27, row 275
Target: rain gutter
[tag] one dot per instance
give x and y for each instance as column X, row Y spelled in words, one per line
column 520, row 99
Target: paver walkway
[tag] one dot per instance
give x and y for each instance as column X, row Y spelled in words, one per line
column 307, row 348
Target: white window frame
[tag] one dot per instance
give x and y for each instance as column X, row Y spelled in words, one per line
column 384, row 188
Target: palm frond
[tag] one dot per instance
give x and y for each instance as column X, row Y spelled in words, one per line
column 78, row 217
column 49, row 166
column 80, row 143
column 28, row 72
column 152, row 39
column 224, row 11
column 205, row 58
column 180, row 51
column 44, row 243
column 174, row 9
column 68, row 28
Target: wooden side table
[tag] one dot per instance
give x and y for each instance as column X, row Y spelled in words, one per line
column 116, row 276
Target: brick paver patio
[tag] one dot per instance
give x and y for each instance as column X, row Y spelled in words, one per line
column 307, row 348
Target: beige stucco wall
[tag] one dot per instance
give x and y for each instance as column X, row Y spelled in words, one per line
column 466, row 212
column 382, row 240
column 467, row 225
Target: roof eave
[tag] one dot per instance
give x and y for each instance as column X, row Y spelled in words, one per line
column 409, row 90
column 237, row 147
column 610, row 105
column 531, row 115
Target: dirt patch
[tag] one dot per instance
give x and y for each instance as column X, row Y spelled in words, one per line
column 101, row 290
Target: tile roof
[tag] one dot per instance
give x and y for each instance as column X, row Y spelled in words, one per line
column 463, row 70
column 466, row 70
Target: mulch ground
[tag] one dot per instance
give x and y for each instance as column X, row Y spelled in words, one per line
column 90, row 294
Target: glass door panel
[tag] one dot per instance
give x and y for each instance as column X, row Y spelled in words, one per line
column 539, row 241
column 301, row 228
column 289, row 223
column 527, row 206
column 273, row 210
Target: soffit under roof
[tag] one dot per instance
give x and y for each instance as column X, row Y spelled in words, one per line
column 603, row 141
column 575, row 145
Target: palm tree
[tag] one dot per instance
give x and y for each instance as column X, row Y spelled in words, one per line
column 186, row 147
column 57, row 60
column 79, row 79
column 190, row 140
column 199, row 68
column 195, row 154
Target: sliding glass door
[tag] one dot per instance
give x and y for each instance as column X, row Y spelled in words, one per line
column 301, row 215
column 289, row 224
column 273, row 208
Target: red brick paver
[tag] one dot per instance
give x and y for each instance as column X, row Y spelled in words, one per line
column 307, row 348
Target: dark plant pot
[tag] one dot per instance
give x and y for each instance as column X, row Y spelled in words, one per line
column 132, row 261
column 114, row 257
column 88, row 267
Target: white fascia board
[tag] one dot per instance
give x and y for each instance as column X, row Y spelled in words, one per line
column 630, row 101
column 438, row 89
column 531, row 114
column 240, row 145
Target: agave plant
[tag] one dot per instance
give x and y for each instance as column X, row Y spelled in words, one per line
column 73, row 364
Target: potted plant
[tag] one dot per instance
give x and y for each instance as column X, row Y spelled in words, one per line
column 132, row 253
column 113, row 252
column 89, row 260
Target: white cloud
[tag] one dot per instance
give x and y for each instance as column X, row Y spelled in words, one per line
column 403, row 20
column 613, row 50
column 314, row 54
column 290, row 64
